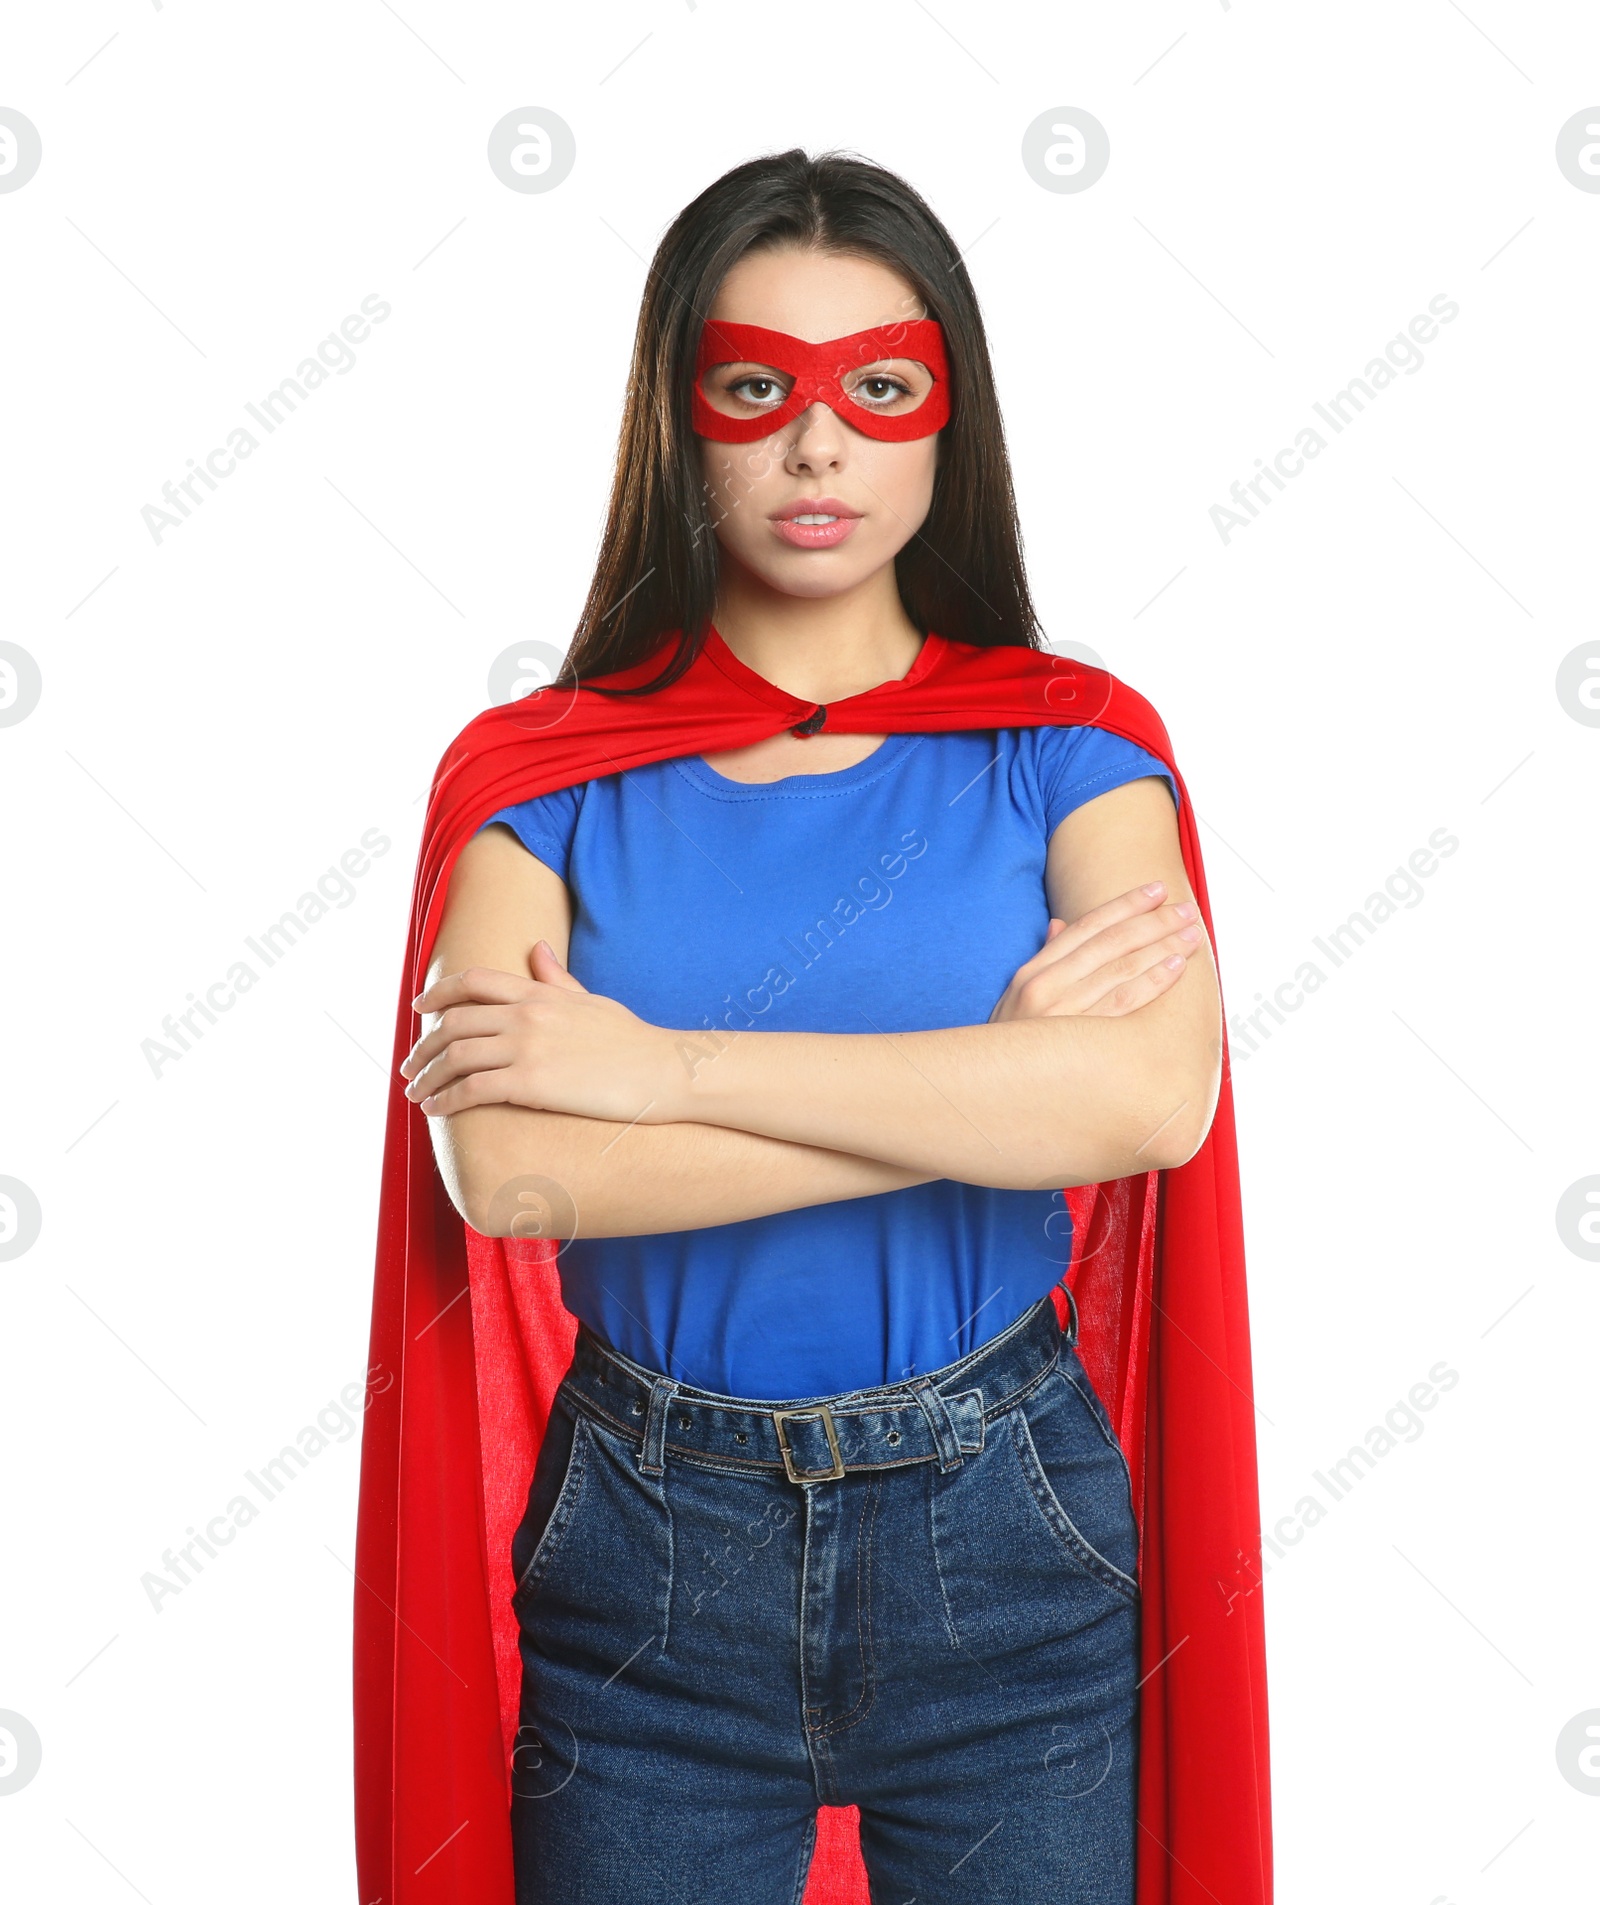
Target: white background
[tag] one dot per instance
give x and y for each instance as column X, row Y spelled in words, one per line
column 227, row 711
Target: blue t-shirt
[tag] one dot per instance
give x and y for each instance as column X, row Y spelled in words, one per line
column 897, row 895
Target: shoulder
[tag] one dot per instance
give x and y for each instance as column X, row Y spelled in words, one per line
column 545, row 824
column 485, row 774
column 1075, row 762
column 1060, row 686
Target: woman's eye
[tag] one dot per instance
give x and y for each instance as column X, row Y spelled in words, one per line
column 758, row 390
column 878, row 391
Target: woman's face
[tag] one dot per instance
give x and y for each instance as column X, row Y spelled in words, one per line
column 817, row 464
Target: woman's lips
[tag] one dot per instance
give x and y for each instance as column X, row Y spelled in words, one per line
column 819, row 525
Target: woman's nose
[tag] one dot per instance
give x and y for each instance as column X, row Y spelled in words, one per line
column 817, row 435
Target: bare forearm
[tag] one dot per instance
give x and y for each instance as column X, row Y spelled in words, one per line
column 1016, row 1105
column 597, row 1178
column 636, row 1127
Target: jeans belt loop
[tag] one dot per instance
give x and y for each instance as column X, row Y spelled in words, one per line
column 653, row 1454
column 944, row 1430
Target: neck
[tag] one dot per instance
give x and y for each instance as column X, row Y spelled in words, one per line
column 817, row 648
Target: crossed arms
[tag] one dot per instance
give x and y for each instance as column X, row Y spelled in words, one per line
column 1100, row 1059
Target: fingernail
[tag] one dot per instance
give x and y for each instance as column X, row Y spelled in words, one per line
column 1155, row 887
column 1189, row 933
column 1187, row 910
column 1175, row 961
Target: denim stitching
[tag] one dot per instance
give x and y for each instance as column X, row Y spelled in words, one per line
column 805, row 1596
column 1097, row 1409
column 1095, row 1405
column 938, row 1566
column 654, row 1434
column 869, row 1687
column 672, row 1559
column 738, row 1465
column 1060, row 1523
column 561, row 1515
column 1018, row 1396
column 936, row 1414
column 827, row 1772
column 746, row 1465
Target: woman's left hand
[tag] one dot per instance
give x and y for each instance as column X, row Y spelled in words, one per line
column 546, row 1042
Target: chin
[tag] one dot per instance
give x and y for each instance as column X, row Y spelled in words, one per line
column 817, row 572
column 813, row 577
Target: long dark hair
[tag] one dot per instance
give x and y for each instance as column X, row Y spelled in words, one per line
column 961, row 574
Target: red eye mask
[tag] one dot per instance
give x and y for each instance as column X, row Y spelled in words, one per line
column 819, row 371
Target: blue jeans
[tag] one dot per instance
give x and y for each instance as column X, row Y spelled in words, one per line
column 919, row 1600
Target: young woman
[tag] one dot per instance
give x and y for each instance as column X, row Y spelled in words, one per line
column 827, row 1511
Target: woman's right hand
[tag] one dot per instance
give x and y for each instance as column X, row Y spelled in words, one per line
column 1107, row 964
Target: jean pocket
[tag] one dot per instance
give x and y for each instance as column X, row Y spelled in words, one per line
column 1078, row 1478
column 553, row 1497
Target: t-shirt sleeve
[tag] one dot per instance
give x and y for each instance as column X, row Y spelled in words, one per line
column 545, row 826
column 1077, row 763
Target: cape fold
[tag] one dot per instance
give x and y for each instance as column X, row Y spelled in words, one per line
column 470, row 1340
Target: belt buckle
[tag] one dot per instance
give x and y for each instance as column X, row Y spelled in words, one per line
column 780, row 1416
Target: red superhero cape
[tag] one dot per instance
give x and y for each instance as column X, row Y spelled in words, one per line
column 460, row 1391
